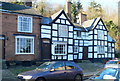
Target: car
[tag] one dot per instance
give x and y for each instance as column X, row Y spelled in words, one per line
column 107, row 74
column 54, row 71
column 112, row 64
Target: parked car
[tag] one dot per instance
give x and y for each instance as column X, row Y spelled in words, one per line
column 112, row 64
column 107, row 74
column 54, row 71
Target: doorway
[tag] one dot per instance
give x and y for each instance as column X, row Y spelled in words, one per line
column 85, row 52
column 46, row 49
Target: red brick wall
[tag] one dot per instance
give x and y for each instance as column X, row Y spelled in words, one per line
column 9, row 27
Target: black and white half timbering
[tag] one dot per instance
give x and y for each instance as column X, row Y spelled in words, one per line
column 63, row 40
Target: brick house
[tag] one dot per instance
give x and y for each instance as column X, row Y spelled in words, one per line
column 19, row 37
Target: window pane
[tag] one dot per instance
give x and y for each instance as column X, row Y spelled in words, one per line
column 69, row 66
column 24, row 24
column 25, row 45
column 59, row 66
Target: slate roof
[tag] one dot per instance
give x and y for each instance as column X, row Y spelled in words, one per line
column 18, row 9
column 12, row 7
column 46, row 20
column 56, row 14
column 110, row 39
column 79, row 27
column 90, row 24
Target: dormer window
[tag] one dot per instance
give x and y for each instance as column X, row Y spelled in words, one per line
column 24, row 24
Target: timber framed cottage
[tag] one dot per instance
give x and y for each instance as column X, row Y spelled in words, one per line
column 30, row 37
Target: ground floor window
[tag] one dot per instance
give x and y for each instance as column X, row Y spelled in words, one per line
column 24, row 45
column 60, row 48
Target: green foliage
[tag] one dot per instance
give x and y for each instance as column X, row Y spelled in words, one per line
column 76, row 8
column 19, row 3
column 114, row 32
column 95, row 9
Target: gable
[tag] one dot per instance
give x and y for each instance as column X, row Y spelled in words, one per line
column 100, row 25
column 61, row 18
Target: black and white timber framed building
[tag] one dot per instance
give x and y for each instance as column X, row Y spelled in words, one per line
column 63, row 40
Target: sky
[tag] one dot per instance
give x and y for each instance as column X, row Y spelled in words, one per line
column 108, row 5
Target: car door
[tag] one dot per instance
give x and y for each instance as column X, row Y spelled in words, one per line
column 59, row 72
column 70, row 70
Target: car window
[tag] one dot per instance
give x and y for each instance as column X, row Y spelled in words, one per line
column 111, row 72
column 70, row 65
column 45, row 65
column 59, row 66
column 112, row 62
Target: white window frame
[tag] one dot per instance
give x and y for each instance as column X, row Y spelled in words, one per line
column 24, row 37
column 30, row 23
column 55, row 44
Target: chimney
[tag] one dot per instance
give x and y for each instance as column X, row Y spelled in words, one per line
column 28, row 4
column 81, row 18
column 68, row 8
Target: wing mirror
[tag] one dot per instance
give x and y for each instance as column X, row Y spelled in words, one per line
column 108, row 77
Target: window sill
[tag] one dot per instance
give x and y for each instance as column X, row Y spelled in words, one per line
column 24, row 54
column 59, row 54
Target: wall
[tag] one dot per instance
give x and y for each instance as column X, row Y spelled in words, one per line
column 9, row 27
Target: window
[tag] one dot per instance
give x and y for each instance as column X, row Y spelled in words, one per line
column 78, row 34
column 100, row 34
column 24, row 45
column 75, row 49
column 101, row 49
column 63, row 31
column 109, row 49
column 24, row 24
column 70, row 65
column 59, row 66
column 60, row 48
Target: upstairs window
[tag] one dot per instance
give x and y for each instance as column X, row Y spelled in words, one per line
column 100, row 35
column 101, row 49
column 63, row 31
column 24, row 24
column 78, row 34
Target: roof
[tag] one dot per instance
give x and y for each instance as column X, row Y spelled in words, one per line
column 49, row 20
column 110, row 39
column 56, row 14
column 79, row 27
column 12, row 7
column 46, row 20
column 90, row 24
column 18, row 9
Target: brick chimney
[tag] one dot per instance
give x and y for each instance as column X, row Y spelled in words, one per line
column 81, row 18
column 68, row 8
column 28, row 4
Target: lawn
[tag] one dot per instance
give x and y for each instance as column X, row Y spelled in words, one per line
column 19, row 69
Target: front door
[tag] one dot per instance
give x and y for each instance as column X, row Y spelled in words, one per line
column 85, row 52
column 46, row 49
